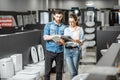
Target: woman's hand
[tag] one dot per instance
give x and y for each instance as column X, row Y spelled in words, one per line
column 78, row 41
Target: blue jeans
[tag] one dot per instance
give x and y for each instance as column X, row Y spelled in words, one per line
column 72, row 57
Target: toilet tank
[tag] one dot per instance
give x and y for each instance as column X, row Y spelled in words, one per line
column 6, row 68
column 17, row 61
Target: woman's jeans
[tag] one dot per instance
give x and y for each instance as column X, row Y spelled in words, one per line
column 72, row 57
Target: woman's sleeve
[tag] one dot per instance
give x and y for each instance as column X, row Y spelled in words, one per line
column 65, row 31
column 81, row 34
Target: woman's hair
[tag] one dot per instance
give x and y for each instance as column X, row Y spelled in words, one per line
column 74, row 16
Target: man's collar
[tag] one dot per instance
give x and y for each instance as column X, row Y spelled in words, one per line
column 57, row 24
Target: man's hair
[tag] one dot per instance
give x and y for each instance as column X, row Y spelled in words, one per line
column 57, row 12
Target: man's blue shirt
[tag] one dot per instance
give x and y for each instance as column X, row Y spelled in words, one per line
column 53, row 29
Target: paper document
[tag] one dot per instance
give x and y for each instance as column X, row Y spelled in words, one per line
column 56, row 38
column 66, row 38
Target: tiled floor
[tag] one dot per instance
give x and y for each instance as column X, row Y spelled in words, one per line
column 89, row 58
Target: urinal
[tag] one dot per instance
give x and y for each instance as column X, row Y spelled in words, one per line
column 17, row 61
column 6, row 68
column 34, row 54
column 34, row 72
column 84, row 50
column 23, row 77
column 90, row 19
column 90, row 43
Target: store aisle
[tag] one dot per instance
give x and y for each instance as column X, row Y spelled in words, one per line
column 89, row 58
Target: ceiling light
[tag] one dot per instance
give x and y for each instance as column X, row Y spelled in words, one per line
column 89, row 3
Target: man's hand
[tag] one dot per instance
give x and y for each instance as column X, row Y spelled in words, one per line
column 61, row 42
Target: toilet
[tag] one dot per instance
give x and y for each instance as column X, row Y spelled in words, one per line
column 23, row 77
column 17, row 61
column 81, row 76
column 34, row 56
column 39, row 68
column 103, row 51
column 34, row 72
column 6, row 68
column 37, row 55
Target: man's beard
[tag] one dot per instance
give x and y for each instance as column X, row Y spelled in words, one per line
column 57, row 21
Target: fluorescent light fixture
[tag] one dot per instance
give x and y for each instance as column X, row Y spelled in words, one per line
column 89, row 3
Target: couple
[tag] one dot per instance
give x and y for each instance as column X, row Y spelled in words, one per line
column 54, row 50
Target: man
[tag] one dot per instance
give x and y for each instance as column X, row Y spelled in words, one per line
column 54, row 50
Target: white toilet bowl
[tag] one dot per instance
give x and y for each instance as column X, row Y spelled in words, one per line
column 34, row 72
column 103, row 51
column 23, row 77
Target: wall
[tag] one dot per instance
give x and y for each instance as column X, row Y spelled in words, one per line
column 19, row 42
column 104, row 37
column 23, row 5
column 67, row 4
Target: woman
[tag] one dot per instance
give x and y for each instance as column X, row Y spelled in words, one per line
column 72, row 50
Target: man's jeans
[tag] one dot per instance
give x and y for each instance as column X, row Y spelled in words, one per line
column 72, row 57
column 49, row 58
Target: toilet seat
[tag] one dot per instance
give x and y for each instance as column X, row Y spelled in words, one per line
column 40, row 52
column 34, row 54
column 30, row 72
column 23, row 77
column 42, row 63
column 41, row 69
column 103, row 51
